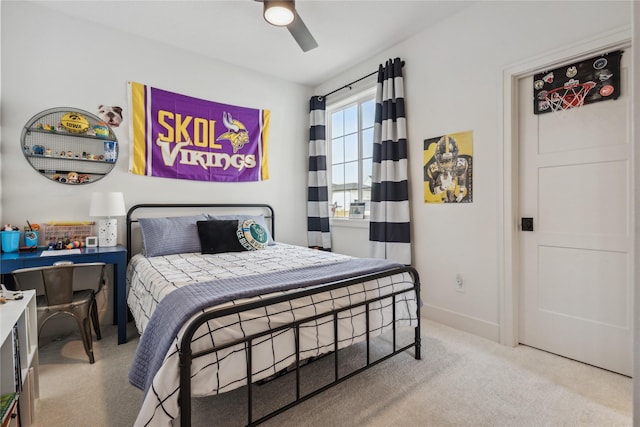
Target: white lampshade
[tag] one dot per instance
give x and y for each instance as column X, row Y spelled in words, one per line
column 279, row 13
column 107, row 205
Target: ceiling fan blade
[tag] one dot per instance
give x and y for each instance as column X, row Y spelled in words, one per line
column 301, row 33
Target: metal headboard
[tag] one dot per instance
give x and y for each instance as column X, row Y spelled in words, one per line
column 173, row 207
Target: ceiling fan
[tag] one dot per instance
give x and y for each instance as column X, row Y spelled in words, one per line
column 283, row 14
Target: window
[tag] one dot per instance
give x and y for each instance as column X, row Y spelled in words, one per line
column 350, row 137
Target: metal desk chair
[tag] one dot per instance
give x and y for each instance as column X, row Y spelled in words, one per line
column 60, row 292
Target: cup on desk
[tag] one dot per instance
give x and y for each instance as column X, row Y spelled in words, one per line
column 10, row 241
column 30, row 238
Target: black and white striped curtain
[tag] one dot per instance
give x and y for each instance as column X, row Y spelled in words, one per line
column 389, row 225
column 318, row 231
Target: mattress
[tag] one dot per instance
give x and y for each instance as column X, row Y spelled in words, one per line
column 151, row 279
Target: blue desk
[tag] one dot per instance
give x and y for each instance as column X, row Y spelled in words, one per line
column 116, row 255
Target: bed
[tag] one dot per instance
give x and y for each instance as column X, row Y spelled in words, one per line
column 214, row 317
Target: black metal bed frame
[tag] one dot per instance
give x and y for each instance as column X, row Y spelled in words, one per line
column 186, row 354
column 131, row 219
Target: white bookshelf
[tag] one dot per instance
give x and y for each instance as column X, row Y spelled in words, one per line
column 23, row 314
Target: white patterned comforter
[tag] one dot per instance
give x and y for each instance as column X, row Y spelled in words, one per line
column 151, row 279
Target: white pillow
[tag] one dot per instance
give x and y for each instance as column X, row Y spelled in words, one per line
column 251, row 235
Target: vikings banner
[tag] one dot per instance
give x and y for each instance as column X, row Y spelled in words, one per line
column 180, row 137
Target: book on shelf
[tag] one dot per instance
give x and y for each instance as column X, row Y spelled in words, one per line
column 27, row 322
column 6, row 403
column 16, row 356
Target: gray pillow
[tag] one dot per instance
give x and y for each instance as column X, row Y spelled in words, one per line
column 260, row 219
column 170, row 235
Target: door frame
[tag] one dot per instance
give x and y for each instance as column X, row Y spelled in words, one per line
column 508, row 243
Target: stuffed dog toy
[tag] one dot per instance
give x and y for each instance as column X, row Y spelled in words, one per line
column 111, row 115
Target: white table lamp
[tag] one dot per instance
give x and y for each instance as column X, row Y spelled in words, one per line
column 107, row 206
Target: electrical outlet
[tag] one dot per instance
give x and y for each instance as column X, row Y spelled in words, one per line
column 459, row 283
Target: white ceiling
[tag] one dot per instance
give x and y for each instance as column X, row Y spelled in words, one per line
column 234, row 31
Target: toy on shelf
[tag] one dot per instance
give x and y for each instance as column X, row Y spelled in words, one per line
column 72, row 178
column 47, row 127
column 75, row 122
column 101, row 130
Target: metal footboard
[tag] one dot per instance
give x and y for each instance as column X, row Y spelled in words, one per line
column 186, row 354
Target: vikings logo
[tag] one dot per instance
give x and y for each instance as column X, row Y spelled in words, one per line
column 236, row 132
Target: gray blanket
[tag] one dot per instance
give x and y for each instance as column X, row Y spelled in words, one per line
column 180, row 305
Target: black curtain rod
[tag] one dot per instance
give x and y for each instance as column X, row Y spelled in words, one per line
column 348, row 85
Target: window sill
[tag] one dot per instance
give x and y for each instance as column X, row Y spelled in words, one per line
column 349, row 223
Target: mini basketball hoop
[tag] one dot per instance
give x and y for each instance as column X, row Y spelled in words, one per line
column 571, row 95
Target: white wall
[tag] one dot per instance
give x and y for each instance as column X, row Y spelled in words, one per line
column 453, row 82
column 50, row 60
column 636, row 136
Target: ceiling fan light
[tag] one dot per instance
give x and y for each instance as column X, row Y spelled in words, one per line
column 279, row 13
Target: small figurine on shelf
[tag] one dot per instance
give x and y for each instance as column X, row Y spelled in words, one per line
column 72, row 178
column 101, row 130
column 47, row 127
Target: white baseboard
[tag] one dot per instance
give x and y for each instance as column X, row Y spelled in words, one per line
column 483, row 328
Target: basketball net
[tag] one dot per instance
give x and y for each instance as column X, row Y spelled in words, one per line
column 571, row 95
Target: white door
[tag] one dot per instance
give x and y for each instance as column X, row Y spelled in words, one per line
column 576, row 272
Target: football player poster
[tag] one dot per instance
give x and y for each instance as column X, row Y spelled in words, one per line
column 448, row 168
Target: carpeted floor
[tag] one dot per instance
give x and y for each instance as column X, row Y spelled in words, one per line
column 462, row 380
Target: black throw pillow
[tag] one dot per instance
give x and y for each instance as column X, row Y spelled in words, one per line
column 217, row 236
